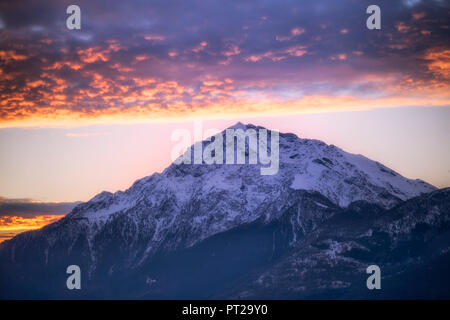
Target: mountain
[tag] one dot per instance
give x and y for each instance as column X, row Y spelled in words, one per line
column 206, row 231
column 410, row 243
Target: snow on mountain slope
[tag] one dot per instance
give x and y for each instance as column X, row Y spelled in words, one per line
column 304, row 164
column 345, row 177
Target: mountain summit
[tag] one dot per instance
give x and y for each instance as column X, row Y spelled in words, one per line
column 197, row 210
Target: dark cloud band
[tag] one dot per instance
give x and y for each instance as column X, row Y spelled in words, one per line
column 29, row 209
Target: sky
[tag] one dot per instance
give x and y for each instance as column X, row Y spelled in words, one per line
column 87, row 110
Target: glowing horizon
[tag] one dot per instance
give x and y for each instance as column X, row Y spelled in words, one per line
column 13, row 225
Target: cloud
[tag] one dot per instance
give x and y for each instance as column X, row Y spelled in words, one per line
column 10, row 226
column 27, row 208
column 17, row 223
column 20, row 215
column 147, row 60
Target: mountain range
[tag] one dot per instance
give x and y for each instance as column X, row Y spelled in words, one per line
column 200, row 231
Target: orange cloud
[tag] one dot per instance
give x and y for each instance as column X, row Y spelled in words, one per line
column 341, row 56
column 59, row 64
column 439, row 62
column 294, row 33
column 141, row 57
column 297, row 31
column 200, row 47
column 11, row 55
column 10, row 226
column 402, row 27
column 94, row 54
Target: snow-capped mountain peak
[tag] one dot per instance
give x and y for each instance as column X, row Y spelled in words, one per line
column 188, row 204
column 214, row 198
